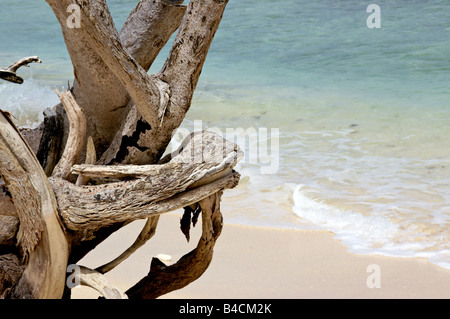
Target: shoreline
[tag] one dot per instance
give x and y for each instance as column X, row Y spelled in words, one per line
column 262, row 263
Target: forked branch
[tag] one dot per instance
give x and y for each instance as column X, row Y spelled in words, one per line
column 147, row 232
column 91, row 278
column 163, row 279
column 99, row 92
column 204, row 166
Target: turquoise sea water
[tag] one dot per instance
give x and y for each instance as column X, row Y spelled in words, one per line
column 362, row 115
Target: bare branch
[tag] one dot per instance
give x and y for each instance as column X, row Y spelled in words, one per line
column 88, row 209
column 22, row 62
column 98, row 91
column 95, row 280
column 111, row 74
column 77, row 135
column 91, row 158
column 99, row 28
column 9, row 74
column 148, row 28
column 188, row 53
column 163, row 279
column 203, row 166
column 146, row 234
column 180, row 73
column 26, row 200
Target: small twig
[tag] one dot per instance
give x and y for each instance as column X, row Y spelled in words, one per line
column 147, row 232
column 9, row 74
column 91, row 278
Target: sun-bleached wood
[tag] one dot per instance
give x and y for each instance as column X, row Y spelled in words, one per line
column 163, row 279
column 91, row 278
column 91, row 158
column 202, row 167
column 77, row 135
column 130, row 116
column 9, row 73
column 99, row 92
column 147, row 232
column 44, row 248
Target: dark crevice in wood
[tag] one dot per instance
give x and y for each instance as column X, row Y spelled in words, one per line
column 49, row 150
column 132, row 141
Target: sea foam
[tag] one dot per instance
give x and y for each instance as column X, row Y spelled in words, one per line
column 351, row 227
column 365, row 234
column 27, row 101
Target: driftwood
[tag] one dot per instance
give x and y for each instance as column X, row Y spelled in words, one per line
column 201, row 167
column 162, row 279
column 77, row 135
column 147, row 232
column 9, row 73
column 98, row 165
column 40, row 237
column 176, row 184
column 95, row 280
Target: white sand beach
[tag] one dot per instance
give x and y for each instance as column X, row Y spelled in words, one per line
column 258, row 263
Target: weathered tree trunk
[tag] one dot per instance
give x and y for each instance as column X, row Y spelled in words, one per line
column 41, row 240
column 52, row 216
column 99, row 92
